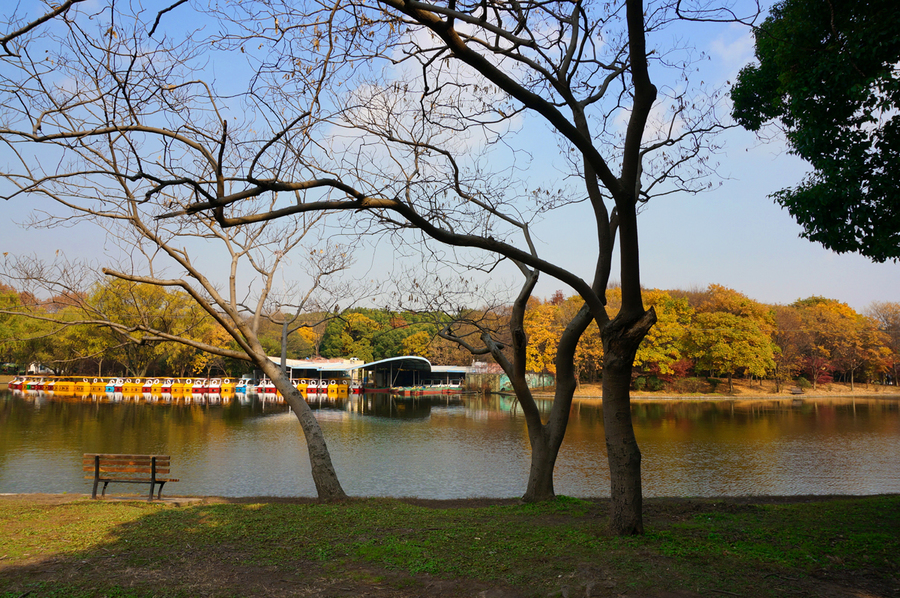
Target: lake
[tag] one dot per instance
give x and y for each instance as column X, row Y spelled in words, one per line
column 456, row 446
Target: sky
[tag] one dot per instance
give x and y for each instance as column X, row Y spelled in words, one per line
column 733, row 236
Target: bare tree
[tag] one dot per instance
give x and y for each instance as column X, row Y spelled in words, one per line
column 312, row 306
column 402, row 115
column 110, row 149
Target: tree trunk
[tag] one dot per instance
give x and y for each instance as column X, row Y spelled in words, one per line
column 543, row 461
column 620, row 343
column 328, row 486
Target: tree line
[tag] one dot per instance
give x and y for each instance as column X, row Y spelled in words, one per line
column 719, row 332
column 716, row 332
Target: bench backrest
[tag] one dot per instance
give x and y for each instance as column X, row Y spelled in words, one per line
column 126, row 466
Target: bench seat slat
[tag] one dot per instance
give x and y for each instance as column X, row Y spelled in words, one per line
column 147, row 462
column 123, row 456
column 133, row 480
column 108, row 469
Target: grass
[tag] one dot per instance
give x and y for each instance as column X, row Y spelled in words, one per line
column 138, row 549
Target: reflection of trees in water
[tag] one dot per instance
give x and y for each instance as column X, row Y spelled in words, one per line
column 750, row 409
column 505, row 403
column 654, row 413
column 401, row 407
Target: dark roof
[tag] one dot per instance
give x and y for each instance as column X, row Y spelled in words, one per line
column 409, row 362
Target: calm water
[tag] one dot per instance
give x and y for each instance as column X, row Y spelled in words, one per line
column 457, row 447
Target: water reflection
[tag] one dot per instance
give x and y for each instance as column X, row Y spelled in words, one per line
column 454, row 446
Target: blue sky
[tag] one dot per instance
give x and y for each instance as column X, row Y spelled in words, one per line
column 734, row 236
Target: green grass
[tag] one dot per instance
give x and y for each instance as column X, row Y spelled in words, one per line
column 143, row 549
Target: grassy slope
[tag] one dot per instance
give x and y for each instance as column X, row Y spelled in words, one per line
column 831, row 547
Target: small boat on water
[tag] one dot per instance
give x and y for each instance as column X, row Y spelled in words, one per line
column 63, row 387
column 338, row 388
column 314, row 386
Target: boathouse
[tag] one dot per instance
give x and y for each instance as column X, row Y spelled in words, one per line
column 393, row 373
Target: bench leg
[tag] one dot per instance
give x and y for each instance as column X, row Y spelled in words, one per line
column 103, row 493
column 96, row 476
column 159, row 495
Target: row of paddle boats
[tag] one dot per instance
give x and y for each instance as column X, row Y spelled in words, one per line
column 173, row 386
column 124, row 385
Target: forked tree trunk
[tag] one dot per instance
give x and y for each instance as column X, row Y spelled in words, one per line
column 328, row 486
column 546, row 438
column 620, row 343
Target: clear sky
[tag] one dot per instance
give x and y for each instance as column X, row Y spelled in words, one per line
column 734, row 236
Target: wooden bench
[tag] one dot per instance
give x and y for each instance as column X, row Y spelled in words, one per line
column 796, row 390
column 128, row 469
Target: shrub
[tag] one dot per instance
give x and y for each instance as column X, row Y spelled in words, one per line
column 692, row 385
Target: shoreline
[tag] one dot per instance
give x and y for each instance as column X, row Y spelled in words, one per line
column 742, row 392
column 48, row 498
column 740, row 397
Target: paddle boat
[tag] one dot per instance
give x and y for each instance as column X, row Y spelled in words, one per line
column 98, row 386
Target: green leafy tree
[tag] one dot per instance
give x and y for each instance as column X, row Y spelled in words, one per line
column 10, row 324
column 732, row 333
column 724, row 343
column 827, row 73
column 663, row 346
column 351, row 335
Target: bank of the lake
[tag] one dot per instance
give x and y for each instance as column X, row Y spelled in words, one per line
column 744, row 389
column 64, row 546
